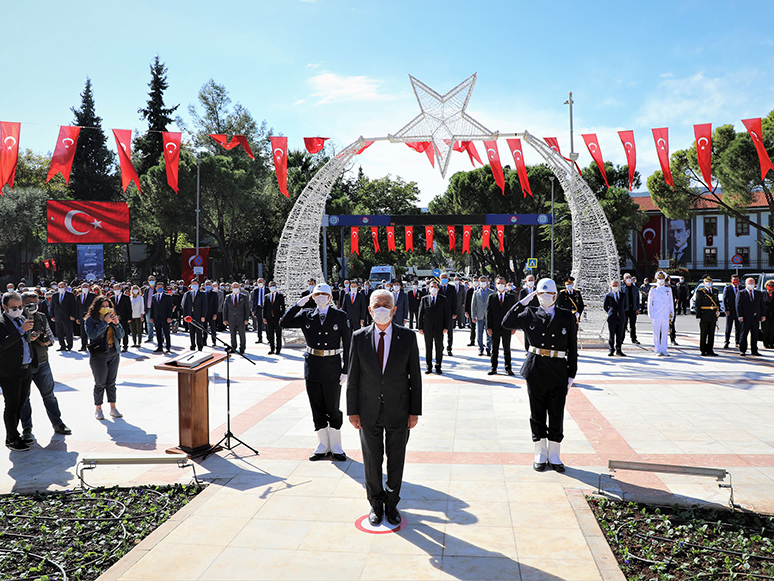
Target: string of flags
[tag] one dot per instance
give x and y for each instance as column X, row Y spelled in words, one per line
column 408, row 231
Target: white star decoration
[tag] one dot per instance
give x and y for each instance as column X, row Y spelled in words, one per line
column 442, row 120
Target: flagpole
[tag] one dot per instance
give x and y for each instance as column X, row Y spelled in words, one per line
column 197, row 208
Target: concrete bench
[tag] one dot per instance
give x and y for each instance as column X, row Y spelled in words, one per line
column 89, row 462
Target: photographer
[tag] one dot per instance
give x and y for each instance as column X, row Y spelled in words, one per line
column 105, row 332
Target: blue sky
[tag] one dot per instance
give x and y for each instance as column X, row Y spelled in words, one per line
column 339, row 68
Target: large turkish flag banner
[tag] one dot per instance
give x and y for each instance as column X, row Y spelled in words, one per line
column 593, row 145
column 661, row 137
column 754, row 128
column 190, row 262
column 501, row 237
column 494, row 163
column 410, row 238
column 486, row 233
column 354, row 241
column 452, row 238
column 703, row 134
column 124, row 146
column 315, row 144
column 429, row 238
column 375, row 237
column 521, row 168
column 279, row 148
column 627, row 138
column 87, row 222
column 172, row 157
column 466, row 239
column 64, row 152
column 9, row 152
column 391, row 238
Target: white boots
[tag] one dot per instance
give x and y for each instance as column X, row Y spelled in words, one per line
column 329, row 443
column 336, row 450
column 541, row 455
column 553, row 456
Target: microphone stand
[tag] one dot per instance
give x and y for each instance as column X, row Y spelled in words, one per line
column 225, row 441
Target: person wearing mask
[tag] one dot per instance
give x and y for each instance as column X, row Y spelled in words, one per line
column 366, row 291
column 459, row 292
column 41, row 373
column 384, row 402
column 750, row 312
column 195, row 306
column 632, row 294
column 123, row 308
column 570, row 298
column 767, row 325
column 273, row 310
column 327, row 333
column 478, row 315
column 644, row 290
column 138, row 312
column 236, row 312
column 707, row 311
column 615, row 305
column 529, row 286
column 256, row 303
column 17, row 360
column 470, row 290
column 661, row 311
column 549, row 368
column 64, row 311
column 213, row 299
column 105, row 331
column 448, row 291
column 497, row 305
column 310, row 284
column 414, row 298
column 342, row 295
column 354, row 304
column 147, row 293
column 729, row 303
column 161, row 317
column 683, row 296
column 83, row 302
column 401, row 303
column 672, row 330
column 433, row 322
column 220, row 290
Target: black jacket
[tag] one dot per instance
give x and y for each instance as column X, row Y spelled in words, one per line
column 64, row 309
column 495, row 312
column 356, row 310
column 572, row 301
column 195, row 308
column 273, row 311
column 615, row 309
column 434, row 318
column 451, row 298
column 123, row 308
column 333, row 333
column 413, row 300
column 161, row 308
column 83, row 306
column 12, row 348
column 750, row 307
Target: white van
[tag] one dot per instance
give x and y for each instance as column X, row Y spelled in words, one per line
column 382, row 274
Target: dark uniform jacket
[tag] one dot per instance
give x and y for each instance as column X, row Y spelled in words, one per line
column 333, row 333
column 433, row 318
column 572, row 301
column 451, row 298
column 559, row 334
column 123, row 308
column 707, row 302
column 400, row 386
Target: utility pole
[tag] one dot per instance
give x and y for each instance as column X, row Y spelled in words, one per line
column 573, row 155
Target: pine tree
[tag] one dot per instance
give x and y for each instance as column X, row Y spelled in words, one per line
column 92, row 176
column 149, row 147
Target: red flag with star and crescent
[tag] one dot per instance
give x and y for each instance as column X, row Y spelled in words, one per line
column 366, row 146
column 375, row 237
column 592, row 143
column 429, row 238
column 501, row 237
column 661, row 137
column 354, row 242
column 424, row 147
column 494, row 162
column 84, row 222
column 470, row 147
column 627, row 138
column 391, row 238
column 553, row 143
column 452, row 237
column 236, row 140
column 315, row 144
column 9, row 152
column 755, row 129
column 124, row 146
column 279, row 151
column 409, row 238
column 521, row 168
column 703, row 134
column 466, row 239
column 486, row 234
column 172, row 157
column 64, row 152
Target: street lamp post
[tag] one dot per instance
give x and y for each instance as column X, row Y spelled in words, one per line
column 552, row 178
column 573, row 155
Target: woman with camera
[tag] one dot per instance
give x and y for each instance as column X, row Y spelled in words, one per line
column 105, row 332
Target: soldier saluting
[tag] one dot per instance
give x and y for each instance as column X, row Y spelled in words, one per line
column 571, row 299
column 327, row 334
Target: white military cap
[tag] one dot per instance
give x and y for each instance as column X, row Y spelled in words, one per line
column 546, row 285
column 322, row 289
column 661, row 274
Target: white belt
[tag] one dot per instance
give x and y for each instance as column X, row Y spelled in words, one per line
column 547, row 352
column 323, row 352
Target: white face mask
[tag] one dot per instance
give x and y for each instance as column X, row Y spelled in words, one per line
column 628, row 281
column 616, row 289
column 751, row 287
column 236, row 290
column 433, row 291
column 14, row 312
column 456, row 283
column 260, row 285
column 321, row 300
column 546, row 300
column 135, row 291
column 382, row 315
column 118, row 292
column 396, row 289
column 530, row 283
column 346, row 285
column 415, row 287
column 500, row 287
column 708, row 284
column 568, row 287
column 310, row 287
column 660, row 282
column 272, row 289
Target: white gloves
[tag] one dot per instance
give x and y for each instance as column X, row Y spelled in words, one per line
column 577, row 316
column 343, row 378
column 525, row 301
column 570, row 381
column 303, row 300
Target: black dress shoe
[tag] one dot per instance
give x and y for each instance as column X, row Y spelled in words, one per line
column 611, row 353
column 449, row 352
column 438, row 371
column 61, row 349
column 620, row 353
column 742, row 353
column 712, row 354
column 635, row 342
column 393, row 515
column 471, row 344
column 82, row 349
column 725, row 345
column 480, row 353
column 428, row 371
column 339, row 457
column 317, row 457
column 756, row 353
column 158, row 351
column 492, row 372
column 703, row 354
column 376, row 515
column 509, row 372
column 557, row 467
column 271, row 351
column 62, row 429
column 539, row 466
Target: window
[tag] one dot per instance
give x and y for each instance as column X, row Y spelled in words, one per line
column 742, row 228
column 744, row 252
column 711, row 226
column 710, row 256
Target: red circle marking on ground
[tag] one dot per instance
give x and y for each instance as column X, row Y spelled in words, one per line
column 362, row 525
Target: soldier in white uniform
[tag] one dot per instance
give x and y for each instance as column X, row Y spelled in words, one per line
column 661, row 310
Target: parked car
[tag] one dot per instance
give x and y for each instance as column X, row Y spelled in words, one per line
column 760, row 279
column 719, row 286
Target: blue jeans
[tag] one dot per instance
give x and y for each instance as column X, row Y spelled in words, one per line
column 43, row 378
column 481, row 332
column 151, row 330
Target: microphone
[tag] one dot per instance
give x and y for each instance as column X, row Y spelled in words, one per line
column 190, row 321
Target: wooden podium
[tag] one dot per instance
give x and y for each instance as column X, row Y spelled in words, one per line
column 193, row 405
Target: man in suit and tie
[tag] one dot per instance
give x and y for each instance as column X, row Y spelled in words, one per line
column 257, row 299
column 273, row 309
column 64, row 311
column 433, row 321
column 123, row 308
column 384, row 402
column 236, row 312
column 729, row 302
column 497, row 305
column 478, row 315
column 615, row 305
column 401, row 303
column 83, row 302
column 354, row 304
column 161, row 317
column 470, row 289
column 195, row 306
column 149, row 291
column 414, row 297
column 751, row 313
column 447, row 290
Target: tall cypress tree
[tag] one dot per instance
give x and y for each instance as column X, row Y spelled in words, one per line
column 92, row 176
column 149, row 147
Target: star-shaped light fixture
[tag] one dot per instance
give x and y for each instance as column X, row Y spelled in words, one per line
column 442, row 120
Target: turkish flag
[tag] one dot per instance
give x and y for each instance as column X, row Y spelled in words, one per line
column 429, row 238
column 315, row 144
column 410, row 238
column 466, row 239
column 391, row 238
column 354, row 243
column 452, row 238
column 756, row 132
column 64, row 152
column 518, row 157
column 593, row 144
column 242, row 140
column 9, row 152
column 485, row 235
column 366, row 146
column 124, row 146
column 236, row 140
column 46, row 264
column 703, row 134
column 87, row 222
column 494, row 163
column 279, row 151
column 424, row 147
column 661, row 137
column 53, row 264
column 172, row 157
column 188, row 256
column 375, row 237
column 651, row 234
column 553, row 143
column 470, row 148
column 627, row 138
column 501, row 237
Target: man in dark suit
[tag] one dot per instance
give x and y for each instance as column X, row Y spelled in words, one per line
column 729, row 303
column 414, row 297
column 683, row 297
column 401, row 303
column 384, row 402
column 161, row 317
column 632, row 294
column 123, row 308
column 751, row 313
column 469, row 291
column 273, row 309
column 63, row 312
column 447, row 290
column 236, row 312
column 83, row 302
column 256, row 303
column 497, row 305
column 213, row 302
column 615, row 306
column 195, row 306
column 354, row 304
column 433, row 321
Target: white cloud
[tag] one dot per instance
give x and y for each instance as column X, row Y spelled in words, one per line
column 333, row 88
column 314, row 65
